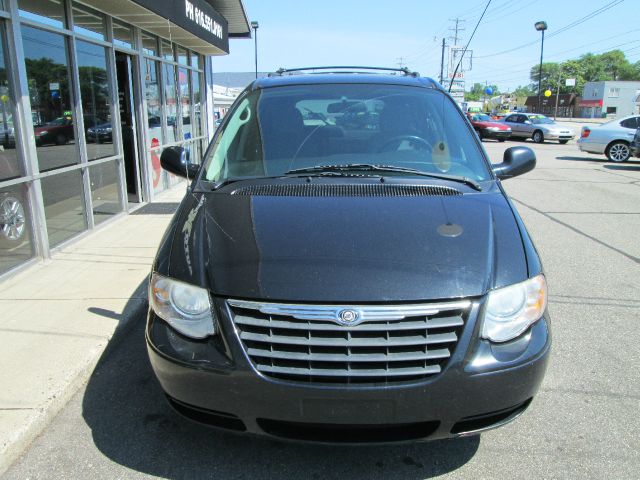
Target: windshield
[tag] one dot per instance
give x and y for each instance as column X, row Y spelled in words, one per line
column 539, row 119
column 481, row 117
column 275, row 130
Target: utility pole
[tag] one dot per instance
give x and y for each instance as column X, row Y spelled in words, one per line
column 401, row 62
column 442, row 64
column 454, row 51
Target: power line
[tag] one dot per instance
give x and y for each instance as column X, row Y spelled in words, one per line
column 467, row 45
column 575, row 23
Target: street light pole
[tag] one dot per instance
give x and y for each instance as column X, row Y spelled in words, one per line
column 255, row 26
column 541, row 27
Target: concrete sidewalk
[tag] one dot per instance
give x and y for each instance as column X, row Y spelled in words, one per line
column 59, row 315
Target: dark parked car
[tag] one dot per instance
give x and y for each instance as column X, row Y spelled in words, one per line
column 486, row 127
column 348, row 283
column 100, row 133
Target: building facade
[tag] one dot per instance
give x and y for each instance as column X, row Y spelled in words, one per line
column 91, row 92
column 609, row 98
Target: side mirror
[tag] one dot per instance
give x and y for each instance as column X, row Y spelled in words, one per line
column 516, row 161
column 176, row 161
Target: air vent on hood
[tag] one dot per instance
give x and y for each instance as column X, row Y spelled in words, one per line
column 339, row 190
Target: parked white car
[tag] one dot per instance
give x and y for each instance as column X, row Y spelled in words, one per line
column 611, row 139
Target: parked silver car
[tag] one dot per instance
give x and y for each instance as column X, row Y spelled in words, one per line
column 611, row 139
column 537, row 127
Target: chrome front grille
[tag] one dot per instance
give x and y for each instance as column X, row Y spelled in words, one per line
column 349, row 344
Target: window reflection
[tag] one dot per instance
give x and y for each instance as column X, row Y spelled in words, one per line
column 197, row 108
column 50, row 12
column 94, row 93
column 104, row 191
column 154, row 118
column 10, row 166
column 63, row 206
column 185, row 103
column 171, row 102
column 15, row 234
column 49, row 93
column 88, row 23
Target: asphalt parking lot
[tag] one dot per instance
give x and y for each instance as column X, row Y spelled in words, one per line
column 584, row 215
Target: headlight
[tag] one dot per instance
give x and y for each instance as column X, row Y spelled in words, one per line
column 43, row 132
column 513, row 309
column 185, row 307
column 108, row 129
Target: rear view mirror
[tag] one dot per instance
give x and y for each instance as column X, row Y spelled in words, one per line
column 176, row 160
column 516, row 161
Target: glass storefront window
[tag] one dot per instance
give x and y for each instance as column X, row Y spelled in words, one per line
column 49, row 12
column 185, row 103
column 105, row 193
column 95, row 96
column 63, row 206
column 149, row 44
column 183, row 58
column 195, row 60
column 88, row 23
column 15, row 233
column 167, row 51
column 10, row 166
column 197, row 107
column 171, row 99
column 122, row 35
column 154, row 101
column 51, row 107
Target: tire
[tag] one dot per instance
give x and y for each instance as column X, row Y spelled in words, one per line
column 501, row 139
column 538, row 136
column 12, row 218
column 61, row 139
column 618, row 152
column 480, row 135
column 563, row 142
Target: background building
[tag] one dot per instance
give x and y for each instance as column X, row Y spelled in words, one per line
column 609, row 98
column 91, row 91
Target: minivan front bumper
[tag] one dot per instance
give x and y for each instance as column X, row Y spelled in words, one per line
column 483, row 386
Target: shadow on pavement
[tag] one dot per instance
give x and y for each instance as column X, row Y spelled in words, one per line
column 628, row 166
column 132, row 424
column 583, row 159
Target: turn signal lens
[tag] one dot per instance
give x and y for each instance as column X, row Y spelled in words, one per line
column 510, row 311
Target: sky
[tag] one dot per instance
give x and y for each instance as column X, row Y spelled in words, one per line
column 303, row 33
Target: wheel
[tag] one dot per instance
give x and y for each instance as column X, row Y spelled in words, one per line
column 480, row 135
column 61, row 139
column 563, row 142
column 400, row 138
column 12, row 218
column 501, row 139
column 618, row 152
column 538, row 137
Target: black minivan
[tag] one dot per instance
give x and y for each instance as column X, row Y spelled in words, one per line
column 346, row 267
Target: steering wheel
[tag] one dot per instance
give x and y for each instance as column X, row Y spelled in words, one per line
column 400, row 138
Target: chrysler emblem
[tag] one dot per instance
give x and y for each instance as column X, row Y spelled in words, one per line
column 347, row 317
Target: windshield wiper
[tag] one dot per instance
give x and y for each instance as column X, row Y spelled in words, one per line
column 385, row 168
column 215, row 185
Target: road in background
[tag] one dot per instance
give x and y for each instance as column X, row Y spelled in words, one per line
column 584, row 215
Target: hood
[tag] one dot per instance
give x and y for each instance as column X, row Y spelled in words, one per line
column 347, row 249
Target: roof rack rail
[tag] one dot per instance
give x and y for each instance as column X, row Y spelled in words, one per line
column 343, row 69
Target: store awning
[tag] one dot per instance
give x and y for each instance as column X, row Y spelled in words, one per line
column 590, row 103
column 196, row 24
